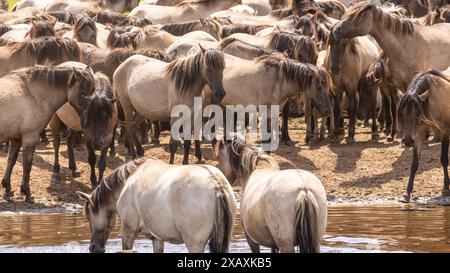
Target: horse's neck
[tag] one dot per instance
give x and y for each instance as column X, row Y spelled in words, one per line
column 394, row 47
column 51, row 99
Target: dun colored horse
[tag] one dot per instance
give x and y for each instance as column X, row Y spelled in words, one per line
column 29, row 98
column 165, row 193
column 425, row 104
column 280, row 209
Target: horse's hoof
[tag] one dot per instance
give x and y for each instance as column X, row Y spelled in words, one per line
column 144, row 141
column 446, row 193
column 350, row 140
column 140, row 152
column 407, row 197
column 289, row 143
column 29, row 199
column 56, row 178
column 307, row 139
column 44, row 141
column 7, row 195
column 155, row 142
column 201, row 161
column 112, row 154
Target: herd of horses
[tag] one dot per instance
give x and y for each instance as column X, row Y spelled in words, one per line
column 89, row 68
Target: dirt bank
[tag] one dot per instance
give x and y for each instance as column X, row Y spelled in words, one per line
column 360, row 173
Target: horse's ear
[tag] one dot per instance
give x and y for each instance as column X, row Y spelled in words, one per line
column 424, row 95
column 86, row 197
column 114, row 100
column 73, row 78
column 202, row 48
column 89, row 69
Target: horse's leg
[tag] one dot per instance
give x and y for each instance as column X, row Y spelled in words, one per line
column 394, row 102
column 287, row 249
column 198, row 152
column 337, row 115
column 316, row 127
column 352, row 118
column 274, row 250
column 92, row 159
column 254, row 247
column 386, row 106
column 173, row 147
column 112, row 147
column 187, row 148
column 285, row 125
column 374, row 124
column 13, row 152
column 144, row 131
column 323, row 129
column 412, row 173
column 308, row 119
column 70, row 152
column 55, row 125
column 101, row 164
column 43, row 138
column 156, row 132
column 28, row 154
column 129, row 128
column 444, row 163
column 137, row 142
column 158, row 246
column 128, row 237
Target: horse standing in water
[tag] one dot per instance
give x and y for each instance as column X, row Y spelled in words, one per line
column 280, row 209
column 28, row 100
column 158, row 200
column 425, row 104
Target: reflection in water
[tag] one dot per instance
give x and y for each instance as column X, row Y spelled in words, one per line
column 350, row 229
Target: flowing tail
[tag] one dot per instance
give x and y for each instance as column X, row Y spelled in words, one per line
column 223, row 221
column 307, row 230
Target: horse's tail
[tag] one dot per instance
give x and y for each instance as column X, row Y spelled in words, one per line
column 223, row 220
column 306, row 227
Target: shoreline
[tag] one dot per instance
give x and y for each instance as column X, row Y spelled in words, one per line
column 13, row 208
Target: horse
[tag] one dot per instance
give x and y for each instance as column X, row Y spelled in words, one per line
column 280, row 209
column 97, row 123
column 272, row 79
column 410, row 47
column 185, row 11
column 165, row 192
column 29, row 98
column 438, row 16
column 348, row 60
column 151, row 37
column 76, row 6
column 86, row 30
column 424, row 105
column 116, row 19
column 38, row 28
column 208, row 25
column 170, row 84
column 42, row 50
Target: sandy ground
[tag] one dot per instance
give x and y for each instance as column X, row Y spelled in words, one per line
column 365, row 172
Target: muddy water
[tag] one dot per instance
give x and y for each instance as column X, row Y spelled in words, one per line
column 350, row 229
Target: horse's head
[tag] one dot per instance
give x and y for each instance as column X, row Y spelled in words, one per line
column 81, row 86
column 337, row 50
column 213, row 64
column 224, row 155
column 119, row 6
column 101, row 221
column 358, row 21
column 313, row 81
column 85, row 29
column 41, row 28
column 97, row 121
column 412, row 110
